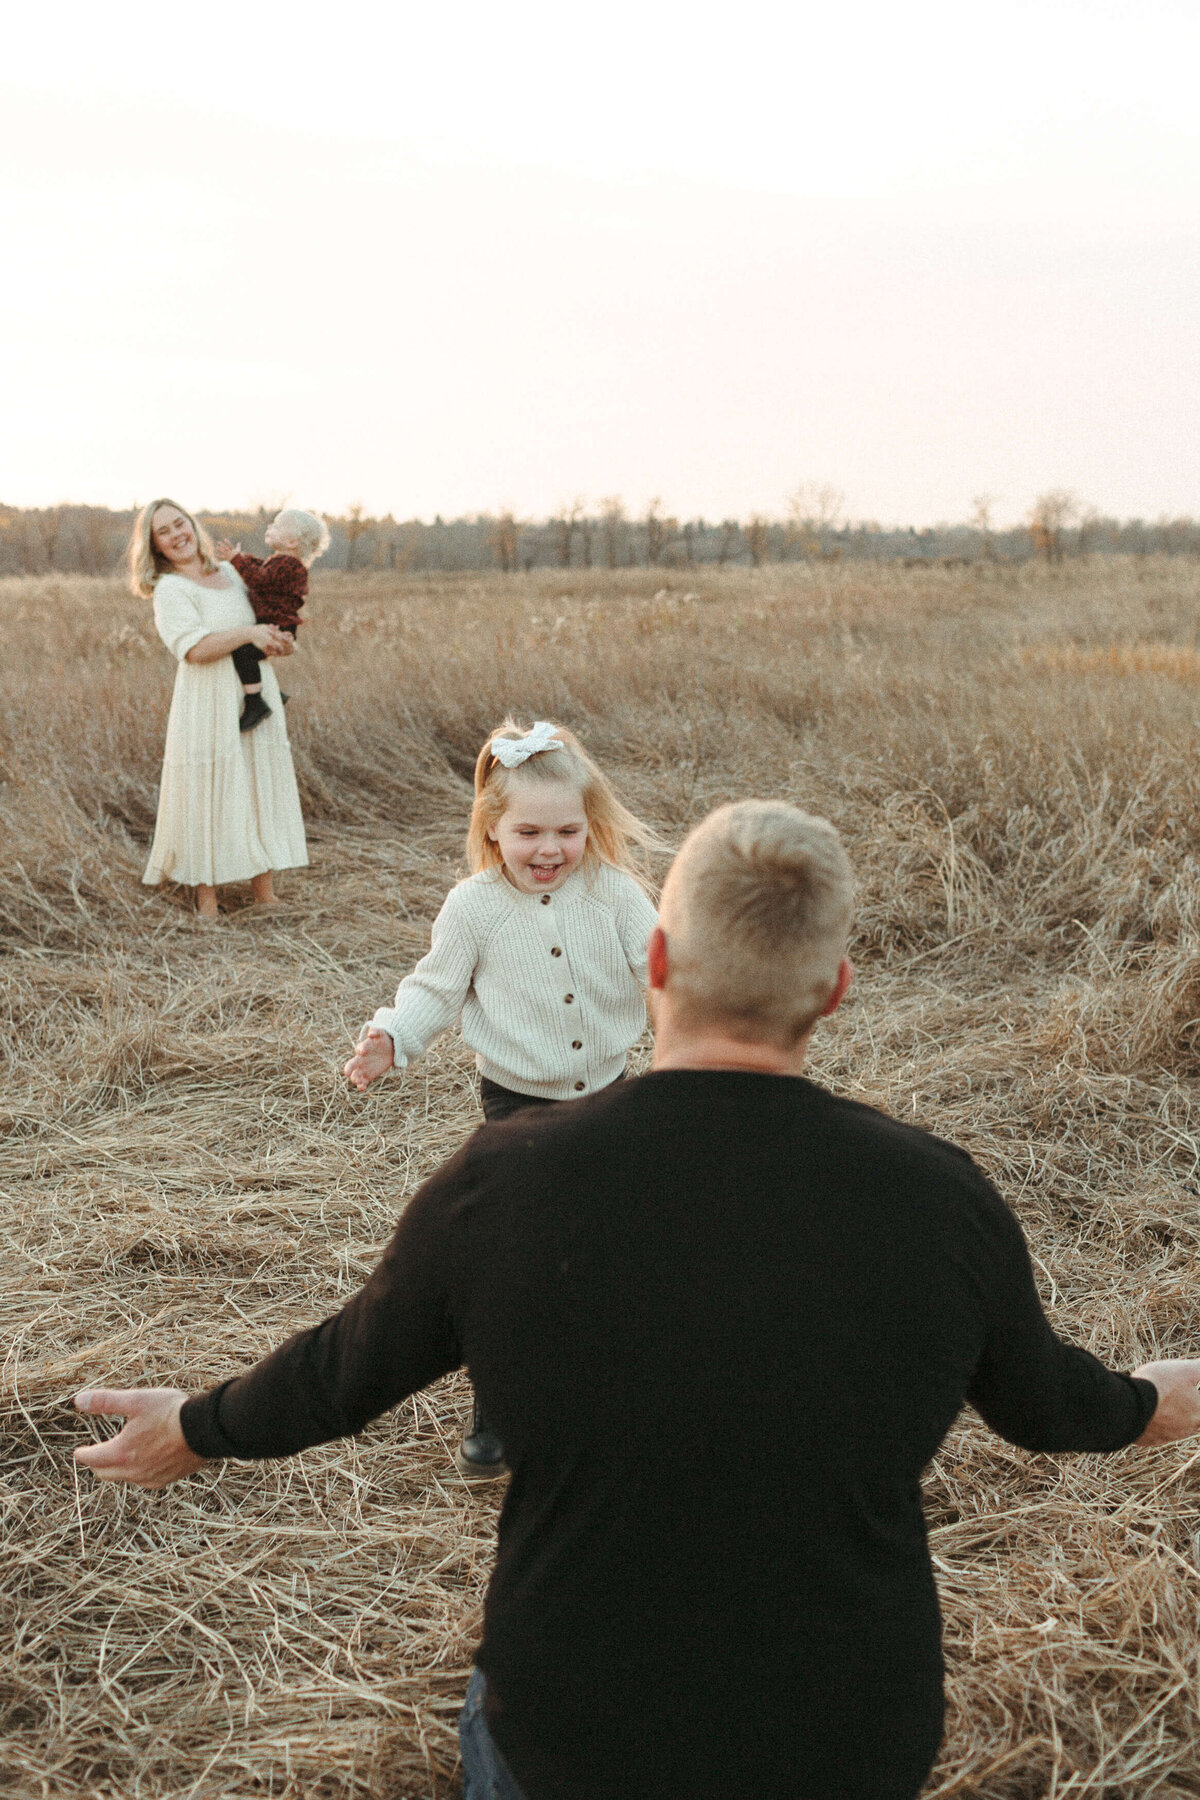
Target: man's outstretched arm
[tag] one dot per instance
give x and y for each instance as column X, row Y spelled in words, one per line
column 392, row 1338
column 1046, row 1394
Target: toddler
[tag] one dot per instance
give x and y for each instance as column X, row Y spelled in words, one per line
column 277, row 586
column 541, row 951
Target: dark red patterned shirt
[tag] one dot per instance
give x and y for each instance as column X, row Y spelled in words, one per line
column 277, row 586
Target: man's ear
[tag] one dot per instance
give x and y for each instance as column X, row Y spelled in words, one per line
column 656, row 958
column 841, row 987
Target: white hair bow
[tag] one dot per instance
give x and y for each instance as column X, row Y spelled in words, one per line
column 512, row 752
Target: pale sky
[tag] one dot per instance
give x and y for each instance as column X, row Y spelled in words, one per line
column 445, row 259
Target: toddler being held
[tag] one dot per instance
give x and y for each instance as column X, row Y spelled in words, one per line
column 278, row 587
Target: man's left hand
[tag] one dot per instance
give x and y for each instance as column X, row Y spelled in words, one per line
column 1177, row 1414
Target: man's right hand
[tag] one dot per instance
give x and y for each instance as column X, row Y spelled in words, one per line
column 1177, row 1414
column 150, row 1450
column 373, row 1056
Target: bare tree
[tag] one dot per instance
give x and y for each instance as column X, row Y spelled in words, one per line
column 656, row 535
column 355, row 527
column 502, row 539
column 10, row 554
column 757, row 536
column 565, row 527
column 612, row 525
column 1089, row 530
column 410, row 544
column 730, row 532
column 35, row 556
column 96, row 538
column 814, row 510
column 981, row 520
column 1052, row 513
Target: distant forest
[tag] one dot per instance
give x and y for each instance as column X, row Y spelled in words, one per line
column 90, row 540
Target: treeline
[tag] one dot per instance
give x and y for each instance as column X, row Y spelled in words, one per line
column 91, row 540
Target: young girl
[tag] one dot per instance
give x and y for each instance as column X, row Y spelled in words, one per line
column 278, row 588
column 541, row 951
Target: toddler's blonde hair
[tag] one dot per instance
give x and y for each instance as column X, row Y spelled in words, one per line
column 757, row 914
column 301, row 531
column 615, row 835
column 147, row 562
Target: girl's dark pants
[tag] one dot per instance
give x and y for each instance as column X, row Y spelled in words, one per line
column 501, row 1103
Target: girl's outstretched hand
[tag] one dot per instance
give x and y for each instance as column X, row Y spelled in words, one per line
column 225, row 550
column 150, row 1450
column 373, row 1056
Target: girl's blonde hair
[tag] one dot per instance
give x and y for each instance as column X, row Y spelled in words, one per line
column 146, row 560
column 615, row 835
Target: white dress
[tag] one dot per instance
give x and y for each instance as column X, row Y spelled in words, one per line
column 227, row 805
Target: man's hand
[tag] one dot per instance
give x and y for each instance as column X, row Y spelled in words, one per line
column 374, row 1055
column 150, row 1450
column 1177, row 1414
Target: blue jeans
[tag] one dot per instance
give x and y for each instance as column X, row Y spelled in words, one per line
column 486, row 1775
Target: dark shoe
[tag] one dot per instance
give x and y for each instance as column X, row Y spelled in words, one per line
column 480, row 1456
column 254, row 712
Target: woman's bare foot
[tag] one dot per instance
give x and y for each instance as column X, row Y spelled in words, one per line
column 206, row 902
column 263, row 889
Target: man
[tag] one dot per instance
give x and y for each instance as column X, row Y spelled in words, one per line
column 721, row 1319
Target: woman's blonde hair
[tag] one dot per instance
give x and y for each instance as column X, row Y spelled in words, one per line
column 146, row 560
column 615, row 835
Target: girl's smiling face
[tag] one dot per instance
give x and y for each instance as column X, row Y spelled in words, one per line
column 541, row 834
column 173, row 535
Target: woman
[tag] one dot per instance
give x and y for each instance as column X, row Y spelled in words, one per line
column 228, row 809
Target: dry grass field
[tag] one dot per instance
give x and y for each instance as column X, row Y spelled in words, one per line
column 1014, row 758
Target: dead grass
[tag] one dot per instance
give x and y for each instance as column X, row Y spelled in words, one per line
column 1178, row 660
column 184, row 1177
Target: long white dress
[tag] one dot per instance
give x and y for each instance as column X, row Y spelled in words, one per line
column 227, row 805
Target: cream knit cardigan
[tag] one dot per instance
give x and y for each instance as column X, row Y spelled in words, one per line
column 549, row 986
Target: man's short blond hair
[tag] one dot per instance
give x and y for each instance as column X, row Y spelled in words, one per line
column 757, row 916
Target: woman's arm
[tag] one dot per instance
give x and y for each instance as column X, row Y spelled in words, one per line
column 223, row 643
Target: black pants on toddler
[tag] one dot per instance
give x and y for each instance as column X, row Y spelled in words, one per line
column 247, row 660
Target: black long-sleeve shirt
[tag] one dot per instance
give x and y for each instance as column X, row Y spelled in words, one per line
column 721, row 1321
